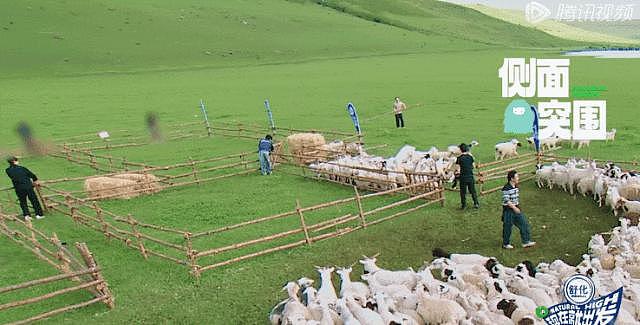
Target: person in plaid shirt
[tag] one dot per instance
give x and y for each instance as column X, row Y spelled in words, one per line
column 511, row 214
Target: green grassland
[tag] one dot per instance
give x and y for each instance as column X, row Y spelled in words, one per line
column 309, row 60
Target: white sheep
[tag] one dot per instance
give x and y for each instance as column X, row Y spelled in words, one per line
column 358, row 290
column 276, row 314
column 455, row 150
column 560, row 177
column 586, row 185
column 364, row 315
column 580, row 143
column 630, row 206
column 345, row 314
column 294, row 311
column 327, row 293
column 436, row 310
column 521, row 286
column 391, row 317
column 611, row 135
column 613, row 199
column 507, row 149
column 385, row 277
column 550, row 142
column 496, row 288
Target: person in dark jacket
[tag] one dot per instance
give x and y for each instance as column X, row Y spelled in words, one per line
column 467, row 182
column 23, row 180
column 265, row 147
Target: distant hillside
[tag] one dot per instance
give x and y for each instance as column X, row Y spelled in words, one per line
column 98, row 36
column 432, row 17
column 628, row 29
column 41, row 38
column 593, row 34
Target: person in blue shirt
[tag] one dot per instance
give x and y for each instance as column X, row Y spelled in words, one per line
column 265, row 147
column 23, row 180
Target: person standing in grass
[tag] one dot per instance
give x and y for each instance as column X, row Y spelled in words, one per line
column 511, row 213
column 398, row 108
column 265, row 147
column 23, row 180
column 467, row 182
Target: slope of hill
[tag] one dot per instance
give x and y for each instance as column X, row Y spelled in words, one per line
column 432, row 17
column 556, row 28
column 629, row 29
column 94, row 36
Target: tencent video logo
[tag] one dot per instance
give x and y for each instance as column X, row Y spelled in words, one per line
column 536, row 12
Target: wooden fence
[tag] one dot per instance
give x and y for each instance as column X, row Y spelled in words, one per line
column 370, row 179
column 83, row 271
column 170, row 176
column 209, row 249
column 491, row 176
column 125, row 138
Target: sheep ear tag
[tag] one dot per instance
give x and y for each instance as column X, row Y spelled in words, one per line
column 580, row 307
column 518, row 117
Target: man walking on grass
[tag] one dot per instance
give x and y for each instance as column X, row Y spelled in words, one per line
column 511, row 214
column 398, row 108
column 265, row 147
column 467, row 182
column 23, row 180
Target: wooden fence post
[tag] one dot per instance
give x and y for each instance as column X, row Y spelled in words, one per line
column 136, row 234
column 32, row 236
column 244, row 160
column 100, row 217
column 102, row 288
column 360, row 211
column 41, row 198
column 92, row 160
column 304, row 225
column 60, row 255
column 110, row 159
column 192, row 255
column 125, row 166
column 441, row 186
column 194, row 170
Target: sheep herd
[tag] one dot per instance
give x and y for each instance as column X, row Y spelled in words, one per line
column 407, row 166
column 464, row 288
column 609, row 185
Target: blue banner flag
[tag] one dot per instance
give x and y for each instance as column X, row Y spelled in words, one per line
column 603, row 310
column 536, row 139
column 354, row 116
column 269, row 115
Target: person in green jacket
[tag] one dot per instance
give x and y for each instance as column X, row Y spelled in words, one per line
column 467, row 182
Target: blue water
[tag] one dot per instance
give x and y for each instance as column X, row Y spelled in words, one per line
column 608, row 54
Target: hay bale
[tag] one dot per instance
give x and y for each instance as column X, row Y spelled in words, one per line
column 121, row 186
column 302, row 144
column 109, row 187
column 145, row 183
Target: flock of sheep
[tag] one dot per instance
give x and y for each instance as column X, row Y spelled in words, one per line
column 407, row 166
column 611, row 185
column 463, row 288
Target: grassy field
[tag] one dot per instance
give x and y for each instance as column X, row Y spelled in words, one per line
column 309, row 60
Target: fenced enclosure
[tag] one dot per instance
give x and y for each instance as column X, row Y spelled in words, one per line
column 208, row 249
column 79, row 272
